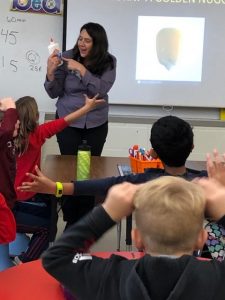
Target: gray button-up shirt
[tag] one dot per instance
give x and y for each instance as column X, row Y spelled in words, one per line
column 69, row 87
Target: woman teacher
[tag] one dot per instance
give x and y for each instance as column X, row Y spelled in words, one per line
column 88, row 69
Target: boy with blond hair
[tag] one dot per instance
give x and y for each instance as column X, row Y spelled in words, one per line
column 169, row 213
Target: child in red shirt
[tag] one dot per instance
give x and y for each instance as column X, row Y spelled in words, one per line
column 8, row 130
column 32, row 211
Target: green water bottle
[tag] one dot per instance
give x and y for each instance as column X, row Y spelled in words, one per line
column 83, row 161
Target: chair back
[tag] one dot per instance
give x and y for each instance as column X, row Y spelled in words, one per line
column 29, row 281
column 5, row 261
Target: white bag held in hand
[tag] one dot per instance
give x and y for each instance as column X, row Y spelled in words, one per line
column 55, row 46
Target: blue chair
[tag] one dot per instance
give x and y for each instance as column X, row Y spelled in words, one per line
column 5, row 261
column 19, row 245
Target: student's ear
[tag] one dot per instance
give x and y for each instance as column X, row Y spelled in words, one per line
column 201, row 239
column 153, row 154
column 192, row 147
column 137, row 239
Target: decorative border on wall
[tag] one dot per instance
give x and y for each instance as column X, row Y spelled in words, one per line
column 49, row 7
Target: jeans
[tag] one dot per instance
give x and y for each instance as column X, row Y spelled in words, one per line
column 34, row 217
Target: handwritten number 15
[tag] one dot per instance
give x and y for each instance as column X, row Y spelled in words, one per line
column 10, row 36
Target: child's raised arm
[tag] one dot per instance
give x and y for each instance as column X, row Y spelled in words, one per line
column 90, row 104
column 214, row 186
column 43, row 184
column 119, row 200
column 216, row 166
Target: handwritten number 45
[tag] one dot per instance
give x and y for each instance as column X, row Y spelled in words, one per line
column 10, row 36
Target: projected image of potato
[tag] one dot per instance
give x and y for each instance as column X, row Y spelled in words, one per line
column 167, row 46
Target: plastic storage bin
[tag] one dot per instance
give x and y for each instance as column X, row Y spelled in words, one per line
column 139, row 166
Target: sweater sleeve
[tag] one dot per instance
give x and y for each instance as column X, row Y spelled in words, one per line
column 7, row 223
column 8, row 125
column 101, row 186
column 48, row 129
column 55, row 88
column 67, row 260
column 100, row 84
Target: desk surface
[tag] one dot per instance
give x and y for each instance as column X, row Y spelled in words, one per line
column 63, row 167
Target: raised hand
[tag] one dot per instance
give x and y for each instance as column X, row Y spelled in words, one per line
column 53, row 62
column 215, row 197
column 119, row 200
column 216, row 166
column 40, row 183
column 91, row 103
column 73, row 65
column 6, row 103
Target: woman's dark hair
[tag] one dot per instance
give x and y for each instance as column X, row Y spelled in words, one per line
column 99, row 58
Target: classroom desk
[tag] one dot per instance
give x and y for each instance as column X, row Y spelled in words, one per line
column 63, row 168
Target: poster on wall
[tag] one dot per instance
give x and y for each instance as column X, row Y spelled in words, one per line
column 52, row 7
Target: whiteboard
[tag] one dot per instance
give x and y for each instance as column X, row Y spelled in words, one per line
column 24, row 38
column 196, row 74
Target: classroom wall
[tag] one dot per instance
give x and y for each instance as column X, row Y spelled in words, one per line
column 122, row 135
column 205, row 139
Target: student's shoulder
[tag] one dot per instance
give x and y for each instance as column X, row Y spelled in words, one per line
column 48, row 129
column 191, row 173
column 154, row 172
column 10, row 113
column 151, row 173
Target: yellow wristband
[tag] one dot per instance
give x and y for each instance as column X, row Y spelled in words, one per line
column 59, row 189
